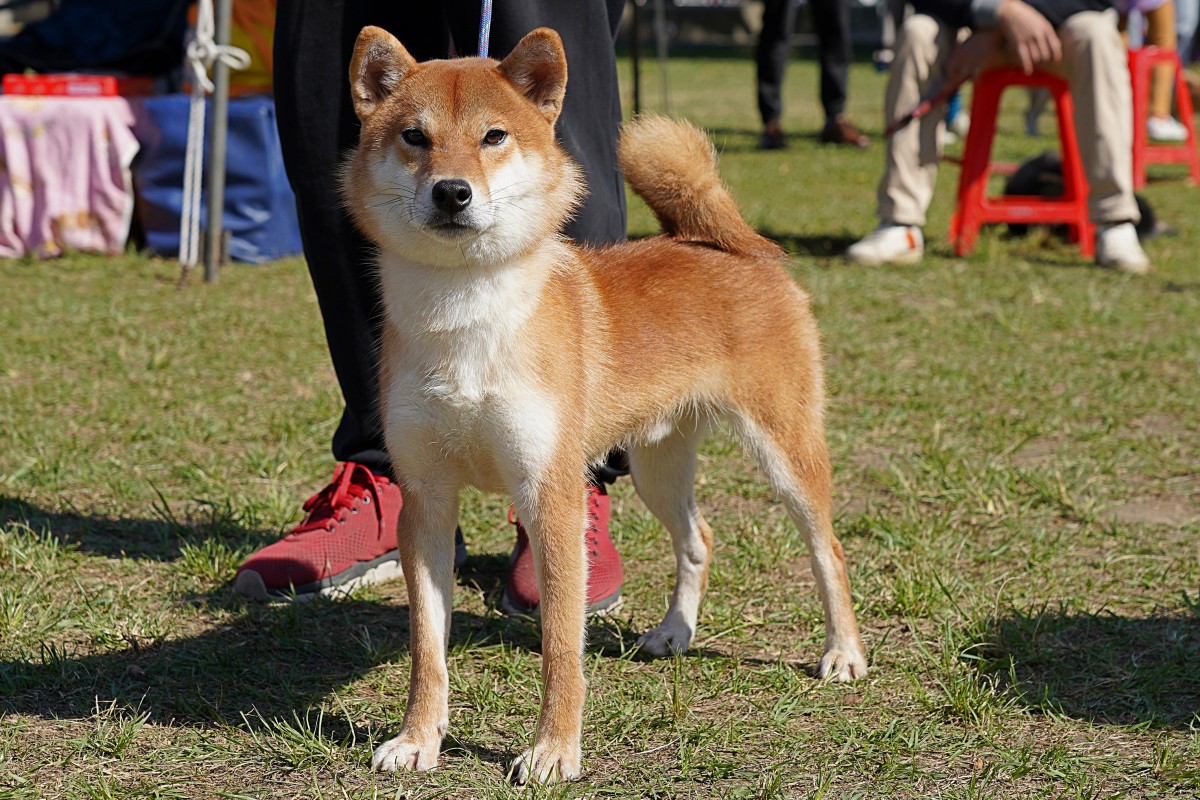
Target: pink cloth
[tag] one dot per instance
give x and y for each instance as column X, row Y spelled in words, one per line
column 64, row 174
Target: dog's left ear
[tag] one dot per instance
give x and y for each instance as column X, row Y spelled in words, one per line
column 537, row 66
column 379, row 63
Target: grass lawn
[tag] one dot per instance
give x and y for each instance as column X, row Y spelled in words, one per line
column 1016, row 440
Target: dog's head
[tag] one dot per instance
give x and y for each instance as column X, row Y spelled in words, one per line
column 457, row 163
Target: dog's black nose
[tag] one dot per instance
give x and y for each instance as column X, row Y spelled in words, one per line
column 452, row 195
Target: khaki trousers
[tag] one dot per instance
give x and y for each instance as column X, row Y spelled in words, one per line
column 1094, row 63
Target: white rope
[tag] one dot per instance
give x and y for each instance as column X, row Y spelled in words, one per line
column 202, row 55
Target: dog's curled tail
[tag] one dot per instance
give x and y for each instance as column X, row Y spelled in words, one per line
column 672, row 165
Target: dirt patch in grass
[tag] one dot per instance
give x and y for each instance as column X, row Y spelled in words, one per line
column 1037, row 452
column 1164, row 511
column 1166, row 426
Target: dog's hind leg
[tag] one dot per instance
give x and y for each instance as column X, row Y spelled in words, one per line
column 664, row 473
column 426, row 542
column 785, row 432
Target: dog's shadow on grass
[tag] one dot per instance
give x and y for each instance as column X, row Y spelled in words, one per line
column 270, row 662
column 157, row 539
column 257, row 667
column 1103, row 668
column 273, row 668
column 260, row 664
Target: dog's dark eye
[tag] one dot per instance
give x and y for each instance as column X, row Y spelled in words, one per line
column 414, row 137
column 494, row 136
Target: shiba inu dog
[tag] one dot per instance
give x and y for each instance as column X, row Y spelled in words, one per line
column 512, row 359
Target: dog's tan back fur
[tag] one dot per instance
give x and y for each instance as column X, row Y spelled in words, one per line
column 511, row 358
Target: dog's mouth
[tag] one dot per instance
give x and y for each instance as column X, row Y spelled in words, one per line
column 451, row 227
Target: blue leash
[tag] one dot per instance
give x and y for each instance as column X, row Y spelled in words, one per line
column 485, row 27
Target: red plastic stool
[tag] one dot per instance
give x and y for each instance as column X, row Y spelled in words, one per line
column 1142, row 61
column 975, row 208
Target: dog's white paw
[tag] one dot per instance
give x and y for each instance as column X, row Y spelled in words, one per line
column 405, row 752
column 842, row 664
column 547, row 764
column 666, row 640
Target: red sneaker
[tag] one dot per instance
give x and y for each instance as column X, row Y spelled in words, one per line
column 604, row 577
column 347, row 540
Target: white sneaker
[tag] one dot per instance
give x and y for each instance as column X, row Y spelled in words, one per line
column 1117, row 246
column 957, row 130
column 1166, row 129
column 961, row 124
column 888, row 244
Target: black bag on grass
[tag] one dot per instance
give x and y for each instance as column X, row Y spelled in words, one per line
column 1042, row 176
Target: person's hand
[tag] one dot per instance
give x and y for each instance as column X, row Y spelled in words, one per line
column 1030, row 35
column 970, row 57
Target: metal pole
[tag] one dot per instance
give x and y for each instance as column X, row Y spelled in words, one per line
column 661, row 39
column 216, row 154
column 635, row 54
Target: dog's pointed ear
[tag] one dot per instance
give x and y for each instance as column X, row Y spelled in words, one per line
column 380, row 62
column 537, row 66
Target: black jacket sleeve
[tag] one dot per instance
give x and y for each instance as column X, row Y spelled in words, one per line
column 960, row 13
column 982, row 13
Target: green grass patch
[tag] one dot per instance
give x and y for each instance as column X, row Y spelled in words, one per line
column 1015, row 438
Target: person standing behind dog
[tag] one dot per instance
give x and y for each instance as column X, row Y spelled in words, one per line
column 1074, row 38
column 349, row 534
column 831, row 18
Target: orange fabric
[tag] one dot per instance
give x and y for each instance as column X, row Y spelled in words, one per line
column 252, row 28
column 1160, row 33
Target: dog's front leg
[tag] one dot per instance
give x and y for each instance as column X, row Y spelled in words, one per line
column 555, row 519
column 426, row 541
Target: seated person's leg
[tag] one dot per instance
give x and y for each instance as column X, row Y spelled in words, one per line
column 1160, row 33
column 910, row 161
column 1095, row 64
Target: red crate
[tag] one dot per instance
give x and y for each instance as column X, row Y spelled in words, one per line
column 71, row 85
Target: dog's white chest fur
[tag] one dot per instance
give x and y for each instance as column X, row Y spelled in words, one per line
column 461, row 396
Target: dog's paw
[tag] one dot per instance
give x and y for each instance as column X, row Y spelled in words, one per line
column 842, row 664
column 666, row 640
column 406, row 752
column 547, row 764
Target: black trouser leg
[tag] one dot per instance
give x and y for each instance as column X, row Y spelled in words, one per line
column 831, row 19
column 314, row 40
column 771, row 56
